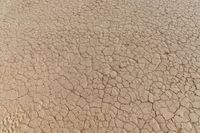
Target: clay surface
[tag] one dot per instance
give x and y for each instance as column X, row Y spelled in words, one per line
column 99, row 66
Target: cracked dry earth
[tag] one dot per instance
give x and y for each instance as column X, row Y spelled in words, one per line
column 99, row 66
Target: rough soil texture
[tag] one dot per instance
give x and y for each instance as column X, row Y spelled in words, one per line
column 99, row 66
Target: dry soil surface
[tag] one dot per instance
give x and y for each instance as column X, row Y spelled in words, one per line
column 99, row 66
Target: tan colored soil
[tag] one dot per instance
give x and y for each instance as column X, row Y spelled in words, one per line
column 99, row 66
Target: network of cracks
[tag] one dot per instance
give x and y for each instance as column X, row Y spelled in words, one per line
column 99, row 66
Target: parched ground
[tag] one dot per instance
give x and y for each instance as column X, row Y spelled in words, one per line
column 99, row 66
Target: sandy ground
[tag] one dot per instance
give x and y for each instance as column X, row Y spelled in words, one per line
column 99, row 66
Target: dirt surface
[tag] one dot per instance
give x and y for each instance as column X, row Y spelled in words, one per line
column 99, row 66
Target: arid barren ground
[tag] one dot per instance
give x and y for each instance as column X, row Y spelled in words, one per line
column 99, row 66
